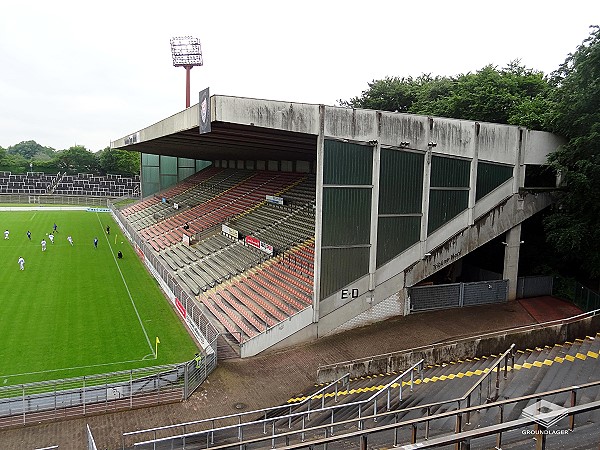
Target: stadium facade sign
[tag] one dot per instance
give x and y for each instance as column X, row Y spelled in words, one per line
column 205, row 111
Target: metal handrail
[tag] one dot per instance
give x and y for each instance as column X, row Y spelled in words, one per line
column 289, row 417
column 466, row 339
column 264, row 411
column 361, row 419
column 573, row 409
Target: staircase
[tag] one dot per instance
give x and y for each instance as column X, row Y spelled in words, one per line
column 425, row 400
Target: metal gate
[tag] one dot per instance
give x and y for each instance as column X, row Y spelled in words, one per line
column 456, row 295
column 534, row 286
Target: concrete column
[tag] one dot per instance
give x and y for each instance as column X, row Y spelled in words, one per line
column 319, row 213
column 425, row 197
column 519, row 169
column 374, row 214
column 473, row 175
column 511, row 260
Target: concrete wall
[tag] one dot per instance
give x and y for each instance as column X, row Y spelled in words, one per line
column 289, row 327
column 184, row 120
column 298, row 117
column 523, row 338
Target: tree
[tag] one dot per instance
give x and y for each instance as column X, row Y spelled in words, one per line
column 118, row 161
column 77, row 159
column 30, row 149
column 514, row 95
column 574, row 226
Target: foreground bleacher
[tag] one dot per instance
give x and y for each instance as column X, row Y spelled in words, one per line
column 492, row 401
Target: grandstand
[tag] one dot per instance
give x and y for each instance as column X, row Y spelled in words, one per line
column 306, row 220
column 82, row 184
column 303, row 221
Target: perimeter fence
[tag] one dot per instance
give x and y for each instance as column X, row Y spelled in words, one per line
column 193, row 317
column 80, row 396
column 42, row 199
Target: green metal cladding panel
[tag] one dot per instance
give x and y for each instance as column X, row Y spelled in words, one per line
column 450, row 172
column 445, row 205
column 341, row 266
column 185, row 172
column 346, row 163
column 490, row 176
column 150, row 160
column 186, row 162
column 394, row 235
column 346, row 216
column 167, row 181
column 168, row 165
column 400, row 182
column 150, row 180
column 149, row 188
column 200, row 164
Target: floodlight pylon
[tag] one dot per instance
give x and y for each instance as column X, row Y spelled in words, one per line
column 187, row 53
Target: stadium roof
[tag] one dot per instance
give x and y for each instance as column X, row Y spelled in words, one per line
column 253, row 129
column 241, row 128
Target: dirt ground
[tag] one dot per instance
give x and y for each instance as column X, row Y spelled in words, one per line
column 272, row 378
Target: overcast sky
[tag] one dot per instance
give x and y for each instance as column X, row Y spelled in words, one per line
column 86, row 73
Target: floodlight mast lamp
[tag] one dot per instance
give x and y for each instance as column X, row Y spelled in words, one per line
column 187, row 53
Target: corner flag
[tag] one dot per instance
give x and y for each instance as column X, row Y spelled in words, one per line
column 156, row 347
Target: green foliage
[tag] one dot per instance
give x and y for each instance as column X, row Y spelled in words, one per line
column 77, row 159
column 30, row 149
column 514, row 94
column 574, row 225
column 17, row 159
column 119, row 161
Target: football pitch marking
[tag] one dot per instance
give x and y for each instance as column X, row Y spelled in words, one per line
column 126, row 287
column 71, row 368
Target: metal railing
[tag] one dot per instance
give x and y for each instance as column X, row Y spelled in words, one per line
column 45, row 199
column 585, row 298
column 266, row 423
column 240, row 417
column 322, row 435
column 72, row 397
column 197, row 322
column 91, row 443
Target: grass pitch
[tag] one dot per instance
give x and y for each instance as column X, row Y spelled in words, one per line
column 78, row 310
